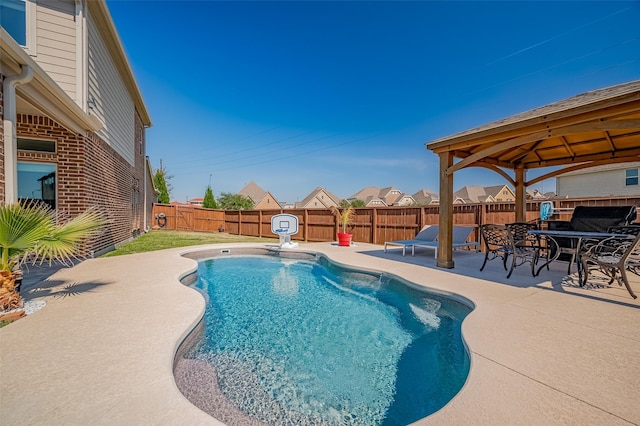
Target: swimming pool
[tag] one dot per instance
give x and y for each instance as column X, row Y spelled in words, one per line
column 300, row 340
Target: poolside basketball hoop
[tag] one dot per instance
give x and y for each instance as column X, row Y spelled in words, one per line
column 285, row 225
column 547, row 210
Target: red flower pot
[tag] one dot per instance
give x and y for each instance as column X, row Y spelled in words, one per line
column 344, row 239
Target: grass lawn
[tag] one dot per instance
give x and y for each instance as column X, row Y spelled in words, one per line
column 159, row 240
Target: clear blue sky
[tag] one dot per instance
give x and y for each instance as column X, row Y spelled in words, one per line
column 343, row 95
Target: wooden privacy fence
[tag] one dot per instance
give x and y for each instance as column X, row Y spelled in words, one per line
column 187, row 218
column 372, row 225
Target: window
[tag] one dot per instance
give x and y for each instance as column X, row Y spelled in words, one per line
column 36, row 145
column 13, row 18
column 37, row 182
column 631, row 177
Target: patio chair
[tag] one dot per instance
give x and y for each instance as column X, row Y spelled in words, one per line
column 525, row 248
column 633, row 263
column 611, row 245
column 496, row 242
column 612, row 256
column 428, row 234
column 589, row 219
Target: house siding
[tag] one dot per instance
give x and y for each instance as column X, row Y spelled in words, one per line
column 267, row 203
column 113, row 106
column 597, row 184
column 56, row 42
column 91, row 173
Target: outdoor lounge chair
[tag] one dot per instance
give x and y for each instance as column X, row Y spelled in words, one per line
column 459, row 237
column 427, row 235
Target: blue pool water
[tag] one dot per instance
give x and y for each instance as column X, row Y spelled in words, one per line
column 307, row 342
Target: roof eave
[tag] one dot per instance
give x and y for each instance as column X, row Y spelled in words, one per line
column 44, row 93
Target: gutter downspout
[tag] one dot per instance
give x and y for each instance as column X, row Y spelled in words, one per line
column 10, row 138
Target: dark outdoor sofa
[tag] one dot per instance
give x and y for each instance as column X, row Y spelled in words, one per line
column 590, row 219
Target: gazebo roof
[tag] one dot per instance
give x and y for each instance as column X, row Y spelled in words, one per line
column 597, row 127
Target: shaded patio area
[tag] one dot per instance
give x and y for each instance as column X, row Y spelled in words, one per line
column 543, row 350
column 590, row 129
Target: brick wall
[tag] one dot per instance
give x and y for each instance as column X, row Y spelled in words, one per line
column 90, row 173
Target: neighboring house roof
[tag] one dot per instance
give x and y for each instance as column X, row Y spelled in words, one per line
column 478, row 194
column 390, row 195
column 404, row 200
column 470, row 194
column 196, row 201
column 535, row 194
column 364, row 193
column 332, row 200
column 253, row 191
column 372, row 195
column 425, row 196
column 496, row 191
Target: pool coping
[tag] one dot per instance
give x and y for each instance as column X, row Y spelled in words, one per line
column 542, row 351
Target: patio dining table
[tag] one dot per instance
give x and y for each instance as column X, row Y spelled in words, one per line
column 579, row 237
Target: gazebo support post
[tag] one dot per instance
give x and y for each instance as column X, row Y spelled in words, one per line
column 521, row 196
column 445, row 218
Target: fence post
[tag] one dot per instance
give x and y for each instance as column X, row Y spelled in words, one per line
column 305, row 225
column 374, row 226
column 239, row 222
column 260, row 223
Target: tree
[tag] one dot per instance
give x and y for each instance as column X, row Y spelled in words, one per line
column 30, row 232
column 229, row 201
column 209, row 201
column 160, row 181
column 355, row 203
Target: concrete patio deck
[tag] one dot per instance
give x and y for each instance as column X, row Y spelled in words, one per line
column 543, row 350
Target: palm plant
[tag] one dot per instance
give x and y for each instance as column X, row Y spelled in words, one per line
column 345, row 216
column 30, row 232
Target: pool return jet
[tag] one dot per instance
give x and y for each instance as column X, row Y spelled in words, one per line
column 285, row 225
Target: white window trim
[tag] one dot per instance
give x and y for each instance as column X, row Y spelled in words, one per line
column 31, row 23
column 627, row 177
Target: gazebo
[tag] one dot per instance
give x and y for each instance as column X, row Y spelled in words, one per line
column 591, row 129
